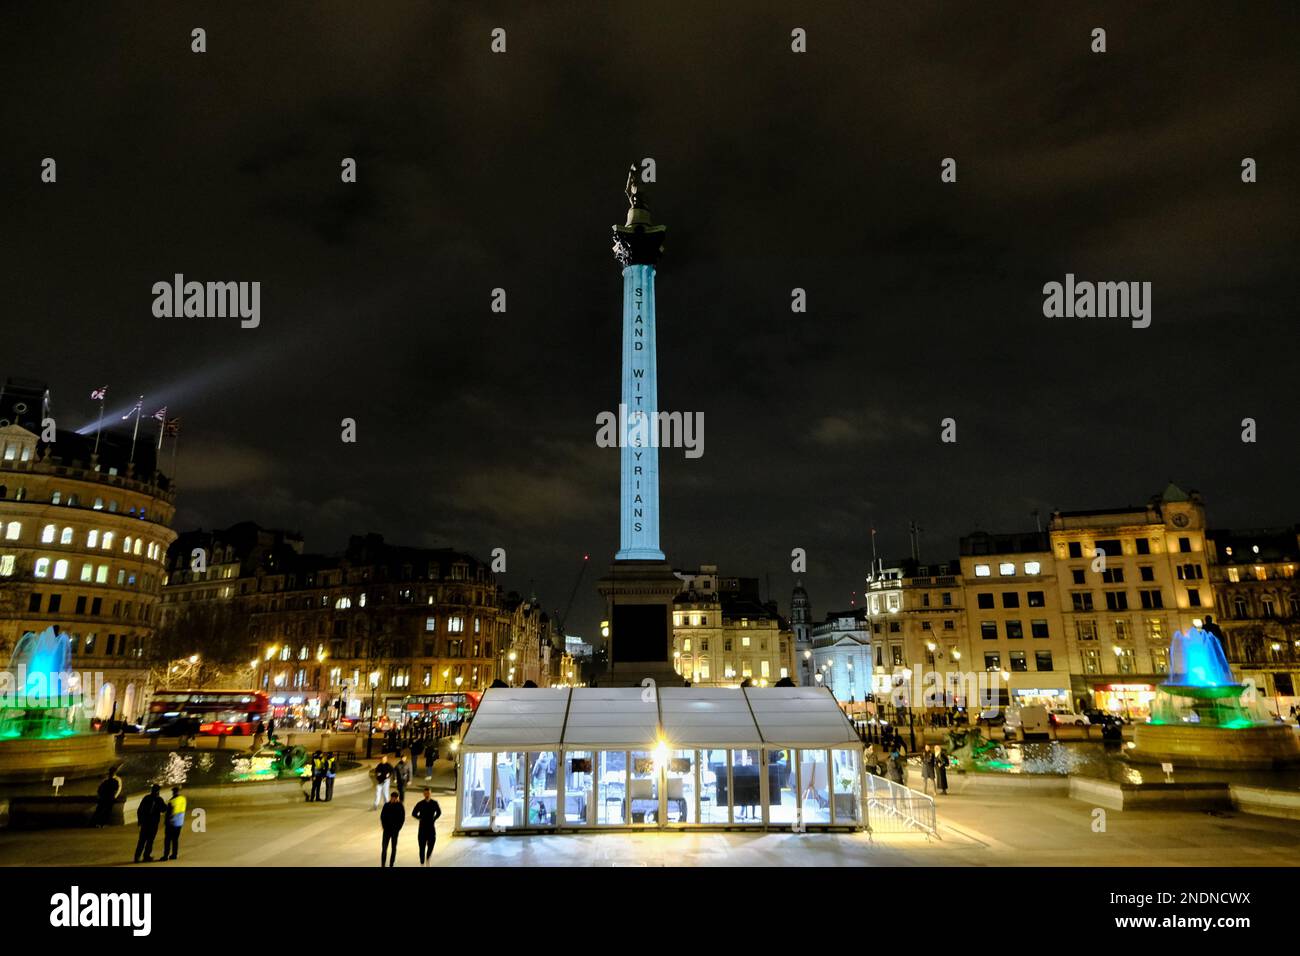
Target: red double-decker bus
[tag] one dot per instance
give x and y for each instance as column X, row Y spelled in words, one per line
column 220, row 712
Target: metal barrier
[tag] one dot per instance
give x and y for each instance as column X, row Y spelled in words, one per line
column 894, row 808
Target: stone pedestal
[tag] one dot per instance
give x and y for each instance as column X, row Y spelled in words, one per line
column 639, row 607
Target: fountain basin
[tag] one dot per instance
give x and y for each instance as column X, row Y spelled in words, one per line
column 33, row 759
column 1255, row 747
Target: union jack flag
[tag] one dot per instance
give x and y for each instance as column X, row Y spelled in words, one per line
column 173, row 427
column 99, row 394
column 161, row 414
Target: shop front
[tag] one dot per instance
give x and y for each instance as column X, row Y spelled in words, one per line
column 1132, row 701
column 605, row 758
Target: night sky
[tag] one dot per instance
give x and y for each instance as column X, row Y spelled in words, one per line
column 775, row 170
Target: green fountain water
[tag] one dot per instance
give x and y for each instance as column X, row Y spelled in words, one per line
column 44, row 701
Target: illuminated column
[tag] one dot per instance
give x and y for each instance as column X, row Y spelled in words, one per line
column 638, row 245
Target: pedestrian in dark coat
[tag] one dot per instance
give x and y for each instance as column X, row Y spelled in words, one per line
column 427, row 812
column 897, row 771
column 403, row 776
column 941, row 762
column 391, row 818
column 430, row 755
column 927, row 771
column 148, row 815
column 105, row 796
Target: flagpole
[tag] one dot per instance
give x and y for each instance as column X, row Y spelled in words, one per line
column 139, row 406
column 100, row 427
column 176, row 440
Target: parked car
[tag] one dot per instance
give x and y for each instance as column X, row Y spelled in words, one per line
column 1065, row 718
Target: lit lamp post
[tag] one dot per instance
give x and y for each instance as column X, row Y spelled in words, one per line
column 1277, row 701
column 911, row 726
column 370, row 731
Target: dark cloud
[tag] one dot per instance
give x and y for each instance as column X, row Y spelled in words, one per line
column 776, row 171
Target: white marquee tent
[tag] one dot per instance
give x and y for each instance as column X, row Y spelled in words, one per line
column 589, row 758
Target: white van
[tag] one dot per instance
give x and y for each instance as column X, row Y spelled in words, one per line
column 1030, row 722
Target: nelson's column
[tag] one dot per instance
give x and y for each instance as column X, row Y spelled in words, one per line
column 640, row 586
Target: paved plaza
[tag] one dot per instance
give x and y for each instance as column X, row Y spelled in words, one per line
column 976, row 829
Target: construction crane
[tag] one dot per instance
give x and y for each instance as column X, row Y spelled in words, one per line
column 573, row 594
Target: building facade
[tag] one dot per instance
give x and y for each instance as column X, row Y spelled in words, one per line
column 84, row 533
column 1127, row 579
column 1013, row 616
column 1257, row 608
column 723, row 633
column 330, row 636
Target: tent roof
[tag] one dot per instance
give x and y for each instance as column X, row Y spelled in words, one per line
column 800, row 717
column 707, row 717
column 613, row 718
column 518, row 718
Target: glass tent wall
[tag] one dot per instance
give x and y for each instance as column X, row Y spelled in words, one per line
column 600, row 758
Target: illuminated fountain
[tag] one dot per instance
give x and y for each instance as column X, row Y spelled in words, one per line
column 1201, row 716
column 43, row 728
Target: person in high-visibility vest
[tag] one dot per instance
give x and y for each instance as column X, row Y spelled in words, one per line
column 175, row 820
column 331, row 770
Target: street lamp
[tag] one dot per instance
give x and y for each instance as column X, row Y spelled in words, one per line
column 1277, row 701
column 370, row 732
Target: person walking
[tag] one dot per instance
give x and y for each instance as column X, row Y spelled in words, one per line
column 427, row 812
column 270, row 730
column 391, row 819
column 105, row 796
column 927, row 771
column 147, row 816
column 402, row 772
column 430, row 755
column 897, row 770
column 941, row 762
column 382, row 776
column 331, row 771
column 175, row 820
column 317, row 776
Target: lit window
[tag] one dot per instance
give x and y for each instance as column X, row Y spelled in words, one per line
column 66, row 537
column 1033, row 567
column 6, row 565
column 136, row 549
column 343, row 603
column 11, row 533
column 981, row 570
column 107, row 541
column 686, row 645
column 56, row 497
column 42, row 567
column 99, row 504
column 430, row 624
column 1007, row 568
column 101, row 574
column 456, row 625
column 47, row 534
column 60, row 569
column 92, row 538
column 87, row 572
column 126, row 545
